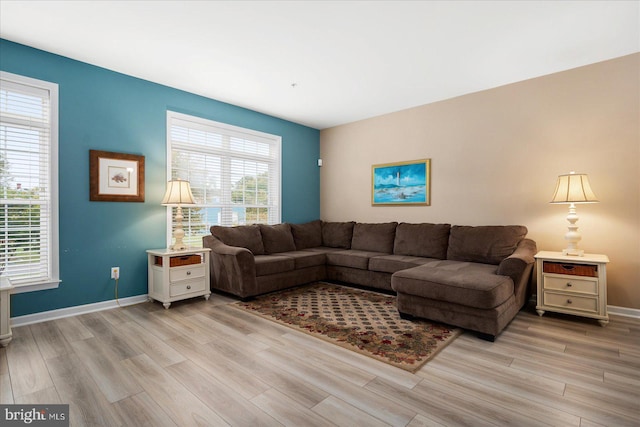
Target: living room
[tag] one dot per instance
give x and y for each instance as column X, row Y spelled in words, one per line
column 496, row 154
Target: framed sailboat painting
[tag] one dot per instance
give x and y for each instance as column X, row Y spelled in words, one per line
column 401, row 183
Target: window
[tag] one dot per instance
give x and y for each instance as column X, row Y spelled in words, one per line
column 234, row 174
column 28, row 182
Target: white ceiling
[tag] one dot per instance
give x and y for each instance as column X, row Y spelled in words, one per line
column 325, row 63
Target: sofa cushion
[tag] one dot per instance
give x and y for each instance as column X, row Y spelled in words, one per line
column 323, row 249
column 393, row 263
column 273, row 264
column 374, row 237
column 464, row 283
column 351, row 258
column 337, row 234
column 485, row 244
column 277, row 238
column 422, row 240
column 304, row 259
column 243, row 236
column 308, row 235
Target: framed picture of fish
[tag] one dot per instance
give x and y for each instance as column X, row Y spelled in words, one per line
column 116, row 177
column 401, row 183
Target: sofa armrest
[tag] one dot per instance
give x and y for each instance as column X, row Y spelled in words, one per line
column 515, row 264
column 519, row 266
column 233, row 268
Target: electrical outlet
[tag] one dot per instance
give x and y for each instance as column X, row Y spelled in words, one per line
column 115, row 272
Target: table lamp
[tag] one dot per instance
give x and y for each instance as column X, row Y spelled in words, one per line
column 178, row 194
column 573, row 188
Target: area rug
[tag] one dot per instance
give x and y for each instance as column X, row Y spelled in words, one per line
column 359, row 320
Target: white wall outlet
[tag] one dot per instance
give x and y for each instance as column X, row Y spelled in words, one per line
column 115, row 272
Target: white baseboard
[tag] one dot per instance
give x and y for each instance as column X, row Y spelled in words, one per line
column 74, row 311
column 106, row 305
column 623, row 311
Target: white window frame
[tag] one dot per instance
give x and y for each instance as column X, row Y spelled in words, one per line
column 228, row 131
column 53, row 275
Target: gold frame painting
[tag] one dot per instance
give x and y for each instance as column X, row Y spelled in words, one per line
column 401, row 183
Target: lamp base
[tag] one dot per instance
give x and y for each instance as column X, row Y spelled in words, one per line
column 573, row 236
column 573, row 252
column 179, row 247
column 178, row 232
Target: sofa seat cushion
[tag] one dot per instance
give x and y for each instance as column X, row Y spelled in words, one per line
column 273, row 264
column 465, row 283
column 351, row 258
column 304, row 259
column 324, row 249
column 393, row 263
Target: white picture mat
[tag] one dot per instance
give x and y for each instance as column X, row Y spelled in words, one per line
column 117, row 177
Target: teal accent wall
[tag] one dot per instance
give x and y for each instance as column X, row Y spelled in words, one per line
column 103, row 110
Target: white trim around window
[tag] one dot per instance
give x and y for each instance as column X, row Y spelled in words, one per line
column 234, row 172
column 29, row 254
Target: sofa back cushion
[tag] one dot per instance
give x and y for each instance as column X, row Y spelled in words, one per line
column 277, row 238
column 423, row 240
column 243, row 236
column 308, row 235
column 337, row 234
column 374, row 237
column 486, row 244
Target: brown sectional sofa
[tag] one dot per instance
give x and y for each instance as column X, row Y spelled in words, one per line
column 472, row 277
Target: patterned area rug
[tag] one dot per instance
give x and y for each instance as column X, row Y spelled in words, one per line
column 358, row 320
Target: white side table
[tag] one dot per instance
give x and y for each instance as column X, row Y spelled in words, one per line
column 572, row 284
column 5, row 311
column 178, row 275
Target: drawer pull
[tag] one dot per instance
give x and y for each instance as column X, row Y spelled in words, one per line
column 188, row 286
column 188, row 273
column 569, row 284
column 568, row 266
column 569, row 301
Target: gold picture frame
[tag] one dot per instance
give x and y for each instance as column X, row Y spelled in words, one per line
column 401, row 183
column 115, row 177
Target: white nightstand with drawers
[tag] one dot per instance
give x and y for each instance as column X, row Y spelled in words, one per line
column 572, row 284
column 178, row 275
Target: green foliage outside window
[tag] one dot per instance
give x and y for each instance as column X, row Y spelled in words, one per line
column 19, row 221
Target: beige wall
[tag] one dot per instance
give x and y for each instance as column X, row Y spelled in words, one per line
column 496, row 155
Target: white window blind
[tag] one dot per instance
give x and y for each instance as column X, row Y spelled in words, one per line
column 234, row 174
column 28, row 181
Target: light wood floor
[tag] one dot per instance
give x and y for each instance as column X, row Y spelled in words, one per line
column 204, row 363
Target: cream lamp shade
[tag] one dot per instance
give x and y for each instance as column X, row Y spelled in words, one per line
column 573, row 188
column 178, row 194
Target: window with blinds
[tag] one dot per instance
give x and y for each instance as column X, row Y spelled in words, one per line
column 28, row 182
column 234, row 174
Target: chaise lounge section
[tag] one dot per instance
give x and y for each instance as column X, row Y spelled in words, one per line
column 472, row 277
column 481, row 286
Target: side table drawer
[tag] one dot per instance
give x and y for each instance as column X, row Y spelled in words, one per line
column 572, row 284
column 571, row 269
column 185, row 273
column 571, row 302
column 186, row 287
